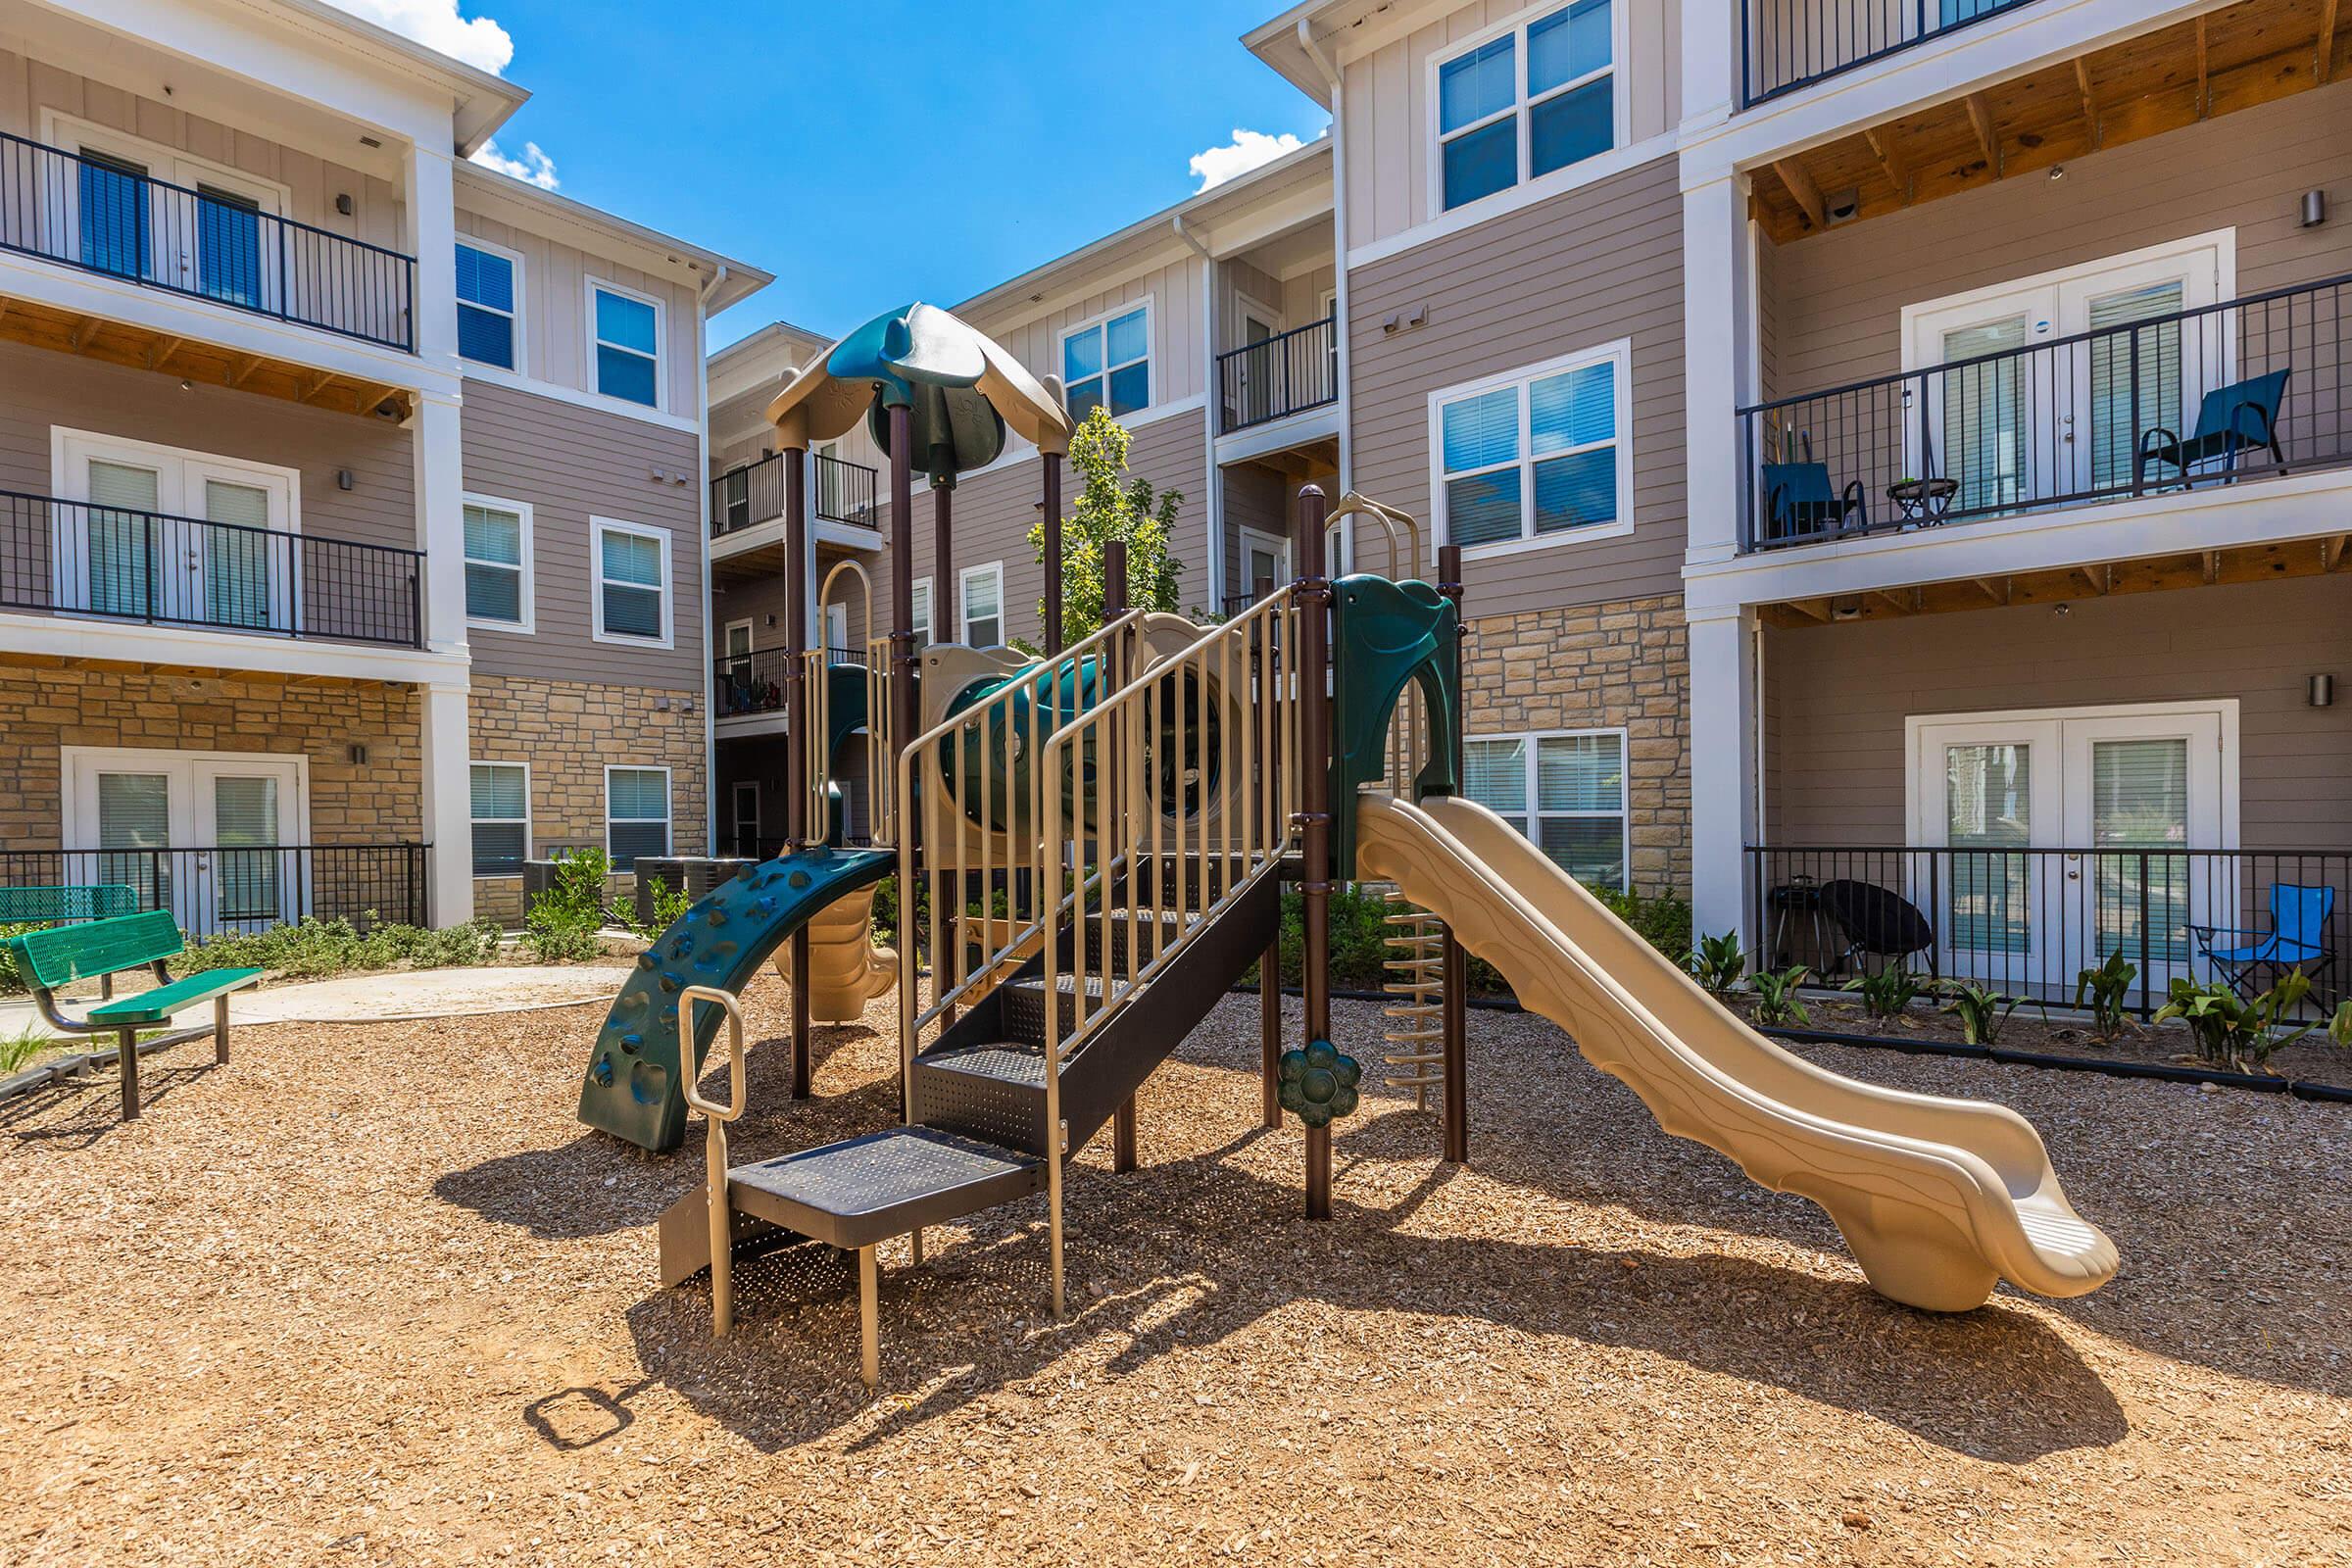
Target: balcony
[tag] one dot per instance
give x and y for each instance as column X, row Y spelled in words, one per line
column 1789, row 45
column 70, row 557
column 212, row 889
column 2023, row 921
column 108, row 216
column 1277, row 377
column 743, row 498
column 2213, row 396
column 749, row 685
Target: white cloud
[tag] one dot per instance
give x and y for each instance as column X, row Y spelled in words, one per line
column 533, row 168
column 436, row 23
column 1214, row 166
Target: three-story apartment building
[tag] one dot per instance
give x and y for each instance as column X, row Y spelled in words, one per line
column 350, row 500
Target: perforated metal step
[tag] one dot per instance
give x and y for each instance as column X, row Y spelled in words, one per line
column 885, row 1184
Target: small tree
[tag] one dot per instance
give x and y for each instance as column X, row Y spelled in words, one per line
column 1106, row 510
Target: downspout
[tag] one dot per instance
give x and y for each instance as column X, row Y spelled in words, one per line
column 702, row 511
column 1339, row 257
column 1213, row 526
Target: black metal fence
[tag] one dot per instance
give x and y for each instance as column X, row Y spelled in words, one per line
column 841, row 492
column 218, row 887
column 75, row 558
column 2026, row 922
column 108, row 215
column 2192, row 397
column 1287, row 374
column 753, row 683
column 1785, row 45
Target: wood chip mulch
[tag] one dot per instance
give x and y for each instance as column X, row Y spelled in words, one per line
column 369, row 1294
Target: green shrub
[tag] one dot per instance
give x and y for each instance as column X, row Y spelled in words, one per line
column 563, row 924
column 1775, row 997
column 2106, row 989
column 311, row 948
column 1717, row 964
column 1980, row 1013
column 12, row 983
column 669, row 907
column 1889, row 993
column 2237, row 1032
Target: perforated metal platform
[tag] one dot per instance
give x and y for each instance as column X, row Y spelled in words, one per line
column 885, row 1184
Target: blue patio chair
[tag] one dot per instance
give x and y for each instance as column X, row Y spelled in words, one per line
column 2296, row 940
column 1800, row 502
column 2242, row 416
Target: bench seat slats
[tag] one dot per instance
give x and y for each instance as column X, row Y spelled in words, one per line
column 58, row 958
column 154, row 1006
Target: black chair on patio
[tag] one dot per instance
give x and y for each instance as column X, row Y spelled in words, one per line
column 1878, row 922
column 1800, row 502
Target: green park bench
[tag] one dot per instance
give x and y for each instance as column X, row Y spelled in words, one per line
column 56, row 906
column 51, row 960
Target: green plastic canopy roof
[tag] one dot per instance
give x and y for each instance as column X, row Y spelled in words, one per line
column 962, row 391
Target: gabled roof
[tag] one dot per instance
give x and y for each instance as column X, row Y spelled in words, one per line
column 482, row 101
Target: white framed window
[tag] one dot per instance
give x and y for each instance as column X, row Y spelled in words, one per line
column 624, row 332
column 636, row 815
column 489, row 305
column 919, row 621
column 498, row 564
column 981, row 594
column 1108, row 363
column 1535, row 457
column 632, row 582
column 502, row 817
column 1534, row 96
column 1564, row 789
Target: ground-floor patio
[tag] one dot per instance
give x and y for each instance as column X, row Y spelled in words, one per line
column 370, row 1294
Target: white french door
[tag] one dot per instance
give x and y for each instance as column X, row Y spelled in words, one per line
column 211, row 837
column 1265, row 558
column 2069, row 836
column 174, row 536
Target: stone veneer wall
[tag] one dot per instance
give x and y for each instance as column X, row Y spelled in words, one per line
column 1600, row 666
column 569, row 732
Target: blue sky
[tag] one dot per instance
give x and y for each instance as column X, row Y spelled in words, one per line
column 871, row 151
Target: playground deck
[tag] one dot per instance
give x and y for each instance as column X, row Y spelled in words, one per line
column 374, row 1297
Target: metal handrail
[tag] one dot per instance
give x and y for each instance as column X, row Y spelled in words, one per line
column 717, row 1115
column 1753, row 91
column 1321, row 383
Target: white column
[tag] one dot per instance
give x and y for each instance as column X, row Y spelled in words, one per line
column 447, row 805
column 439, row 462
column 431, row 235
column 1715, row 353
column 1723, row 794
column 1711, row 59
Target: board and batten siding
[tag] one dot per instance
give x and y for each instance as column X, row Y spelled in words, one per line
column 1390, row 128
column 1834, row 302
column 1579, row 271
column 30, row 86
column 555, row 312
column 569, row 464
column 1836, row 698
column 41, row 390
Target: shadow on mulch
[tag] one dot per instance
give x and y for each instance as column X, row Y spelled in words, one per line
column 1177, row 1257
column 558, row 1194
column 100, row 1096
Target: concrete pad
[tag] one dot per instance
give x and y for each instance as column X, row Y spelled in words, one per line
column 379, row 998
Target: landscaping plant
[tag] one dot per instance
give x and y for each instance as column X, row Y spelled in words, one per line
column 1717, row 964
column 313, row 949
column 1777, row 1001
column 2237, row 1032
column 1106, row 510
column 563, row 924
column 1980, row 1011
column 2105, row 988
column 669, row 907
column 1889, row 993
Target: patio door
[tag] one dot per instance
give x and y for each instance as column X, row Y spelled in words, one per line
column 210, row 837
column 1259, row 378
column 2069, row 834
column 746, row 817
column 174, row 536
column 1265, row 558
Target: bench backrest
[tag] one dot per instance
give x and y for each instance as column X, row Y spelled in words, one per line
column 94, row 901
column 69, row 952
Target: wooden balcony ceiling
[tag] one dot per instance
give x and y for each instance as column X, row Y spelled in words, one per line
column 2234, row 58
column 2307, row 558
column 193, row 359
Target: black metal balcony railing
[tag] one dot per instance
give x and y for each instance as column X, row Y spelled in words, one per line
column 2026, row 922
column 108, row 215
column 1287, row 374
column 841, row 492
column 1789, row 44
column 753, row 683
column 219, row 888
column 73, row 558
column 2259, row 385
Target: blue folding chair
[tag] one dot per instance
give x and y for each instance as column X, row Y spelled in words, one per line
column 1800, row 502
column 2296, row 940
column 2242, row 416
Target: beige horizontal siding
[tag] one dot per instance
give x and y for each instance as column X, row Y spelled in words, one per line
column 1568, row 275
column 570, row 463
column 1836, row 698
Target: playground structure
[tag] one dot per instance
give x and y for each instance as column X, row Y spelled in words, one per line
column 1088, row 849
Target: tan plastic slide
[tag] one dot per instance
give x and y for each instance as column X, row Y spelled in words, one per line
column 1937, row 1197
column 846, row 969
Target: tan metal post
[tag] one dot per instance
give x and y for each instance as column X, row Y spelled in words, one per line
column 1455, row 1067
column 1114, row 604
column 1313, row 594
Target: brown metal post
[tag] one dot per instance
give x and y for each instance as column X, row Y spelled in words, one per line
column 1313, row 594
column 906, row 661
column 796, row 741
column 127, row 1067
column 1114, row 604
column 947, row 599
column 1455, row 1067
column 1051, row 480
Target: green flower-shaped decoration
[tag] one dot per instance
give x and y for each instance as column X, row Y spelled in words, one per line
column 1318, row 1084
